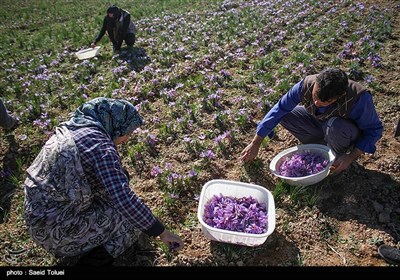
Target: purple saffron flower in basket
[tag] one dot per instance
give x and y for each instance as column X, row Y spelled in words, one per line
column 303, row 164
column 244, row 214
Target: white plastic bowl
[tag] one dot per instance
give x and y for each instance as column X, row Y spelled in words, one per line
column 322, row 150
column 88, row 53
column 238, row 190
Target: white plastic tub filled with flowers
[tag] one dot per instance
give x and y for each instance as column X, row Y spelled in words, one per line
column 236, row 212
column 303, row 165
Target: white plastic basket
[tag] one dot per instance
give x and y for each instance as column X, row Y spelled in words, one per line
column 237, row 190
column 88, row 53
column 322, row 150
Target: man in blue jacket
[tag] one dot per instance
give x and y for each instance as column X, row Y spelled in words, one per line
column 119, row 27
column 333, row 110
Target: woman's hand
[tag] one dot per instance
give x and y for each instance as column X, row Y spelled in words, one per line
column 170, row 239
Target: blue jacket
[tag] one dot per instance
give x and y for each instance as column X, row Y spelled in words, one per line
column 363, row 113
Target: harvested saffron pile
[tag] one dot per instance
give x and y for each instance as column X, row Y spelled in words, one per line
column 244, row 214
column 302, row 164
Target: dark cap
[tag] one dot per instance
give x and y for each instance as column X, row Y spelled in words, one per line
column 112, row 9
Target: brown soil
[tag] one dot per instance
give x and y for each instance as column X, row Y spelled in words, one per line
column 355, row 212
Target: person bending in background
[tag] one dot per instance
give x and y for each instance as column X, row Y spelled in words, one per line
column 119, row 27
column 78, row 201
column 334, row 111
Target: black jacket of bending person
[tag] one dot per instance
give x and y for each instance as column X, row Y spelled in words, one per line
column 119, row 27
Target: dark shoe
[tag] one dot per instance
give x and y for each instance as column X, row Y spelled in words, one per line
column 397, row 129
column 390, row 254
column 96, row 257
column 116, row 49
column 14, row 124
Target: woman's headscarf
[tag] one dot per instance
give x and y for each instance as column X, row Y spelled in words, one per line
column 116, row 117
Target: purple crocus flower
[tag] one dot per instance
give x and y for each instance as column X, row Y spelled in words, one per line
column 192, row 173
column 207, row 154
column 155, row 171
